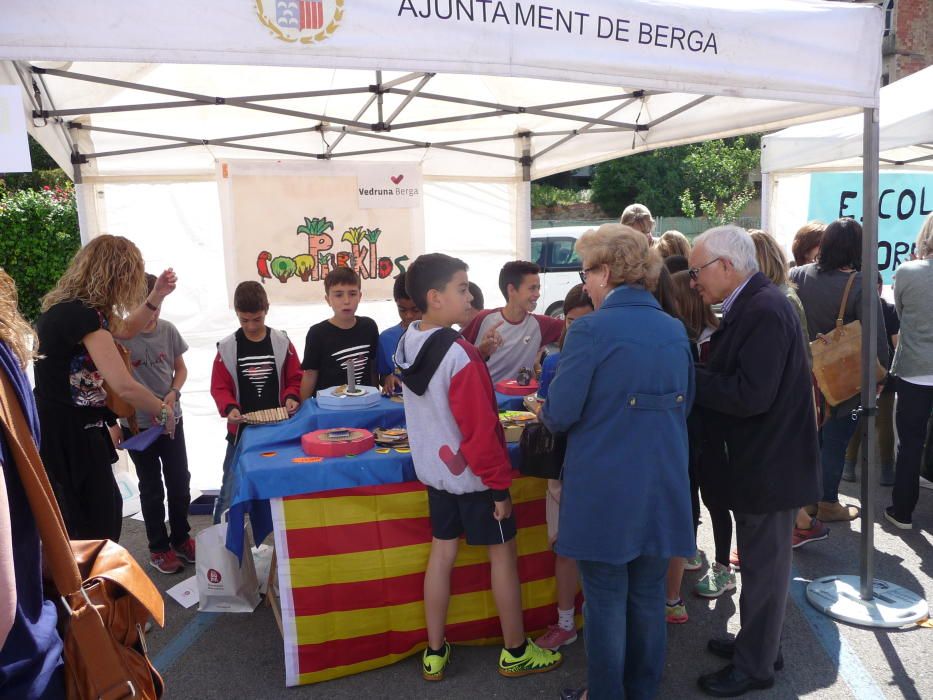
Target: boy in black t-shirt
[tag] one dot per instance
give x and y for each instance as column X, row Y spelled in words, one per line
column 330, row 344
column 255, row 368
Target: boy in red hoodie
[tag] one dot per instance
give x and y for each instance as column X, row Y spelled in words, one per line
column 459, row 453
column 256, row 368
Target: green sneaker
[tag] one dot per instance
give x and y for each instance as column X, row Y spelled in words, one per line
column 433, row 666
column 717, row 580
column 534, row 660
column 694, row 563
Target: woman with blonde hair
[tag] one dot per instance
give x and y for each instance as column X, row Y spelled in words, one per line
column 102, row 295
column 913, row 366
column 639, row 218
column 30, row 647
column 673, row 243
column 625, row 377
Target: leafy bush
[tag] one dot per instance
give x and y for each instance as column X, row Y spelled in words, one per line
column 38, row 237
column 709, row 178
column 550, row 196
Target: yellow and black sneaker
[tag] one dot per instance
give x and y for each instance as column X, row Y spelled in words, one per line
column 534, row 660
column 433, row 665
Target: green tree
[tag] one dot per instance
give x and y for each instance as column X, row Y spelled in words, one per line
column 678, row 180
column 716, row 179
column 38, row 237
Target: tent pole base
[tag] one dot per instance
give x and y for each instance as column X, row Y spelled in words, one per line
column 891, row 606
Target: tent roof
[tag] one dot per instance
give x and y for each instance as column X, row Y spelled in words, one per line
column 168, row 88
column 906, row 133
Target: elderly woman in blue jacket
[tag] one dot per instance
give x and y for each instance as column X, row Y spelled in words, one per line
column 622, row 394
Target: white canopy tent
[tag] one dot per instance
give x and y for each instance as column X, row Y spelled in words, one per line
column 789, row 156
column 139, row 101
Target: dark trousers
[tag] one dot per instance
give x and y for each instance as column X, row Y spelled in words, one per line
column 764, row 540
column 625, row 631
column 914, row 404
column 164, row 458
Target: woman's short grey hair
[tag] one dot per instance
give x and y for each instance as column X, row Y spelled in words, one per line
column 730, row 243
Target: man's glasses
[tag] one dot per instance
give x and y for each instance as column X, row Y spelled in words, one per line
column 587, row 271
column 694, row 272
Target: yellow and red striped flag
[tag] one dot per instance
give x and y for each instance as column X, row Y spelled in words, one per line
column 351, row 574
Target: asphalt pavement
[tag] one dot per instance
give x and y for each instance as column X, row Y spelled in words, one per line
column 209, row 656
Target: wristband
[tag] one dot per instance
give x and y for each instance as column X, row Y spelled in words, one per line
column 151, row 307
column 163, row 415
column 177, row 392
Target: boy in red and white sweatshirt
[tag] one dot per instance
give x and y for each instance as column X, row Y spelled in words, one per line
column 459, row 453
column 256, row 368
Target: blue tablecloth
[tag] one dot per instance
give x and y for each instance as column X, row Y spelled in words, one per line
column 260, row 478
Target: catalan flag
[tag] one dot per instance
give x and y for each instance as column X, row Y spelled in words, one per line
column 312, row 14
column 351, row 575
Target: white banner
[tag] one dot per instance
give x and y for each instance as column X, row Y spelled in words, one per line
column 14, row 145
column 819, row 52
column 288, row 225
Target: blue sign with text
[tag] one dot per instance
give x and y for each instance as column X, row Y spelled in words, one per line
column 904, row 202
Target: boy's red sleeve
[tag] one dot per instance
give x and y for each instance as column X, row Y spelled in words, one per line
column 473, row 406
column 471, row 332
column 291, row 376
column 223, row 390
column 551, row 328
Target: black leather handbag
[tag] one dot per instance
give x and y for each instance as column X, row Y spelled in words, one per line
column 542, row 452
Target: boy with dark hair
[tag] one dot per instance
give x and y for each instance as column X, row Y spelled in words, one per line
column 388, row 339
column 459, row 454
column 477, row 305
column 331, row 344
column 256, row 368
column 511, row 337
column 157, row 362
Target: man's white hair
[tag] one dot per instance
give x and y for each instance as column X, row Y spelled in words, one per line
column 730, row 243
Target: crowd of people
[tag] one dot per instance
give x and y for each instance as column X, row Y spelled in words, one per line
column 705, row 345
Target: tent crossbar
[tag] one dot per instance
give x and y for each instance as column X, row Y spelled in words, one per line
column 84, row 157
column 409, row 97
column 582, row 130
column 451, row 120
column 440, row 145
column 227, row 140
column 267, row 149
column 372, row 151
column 637, row 94
column 918, row 159
column 680, row 110
column 198, row 96
column 403, row 79
column 359, row 115
column 82, row 111
column 113, row 82
column 294, row 113
column 36, row 99
column 127, row 132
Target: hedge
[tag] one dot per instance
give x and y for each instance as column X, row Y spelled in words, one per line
column 38, row 237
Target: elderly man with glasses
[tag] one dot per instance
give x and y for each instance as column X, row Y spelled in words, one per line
column 755, row 397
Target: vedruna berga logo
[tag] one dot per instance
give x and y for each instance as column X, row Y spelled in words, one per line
column 301, row 21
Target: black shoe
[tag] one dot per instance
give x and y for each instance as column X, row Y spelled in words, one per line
column 896, row 520
column 725, row 649
column 572, row 694
column 730, row 682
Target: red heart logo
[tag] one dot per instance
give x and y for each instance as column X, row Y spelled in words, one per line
column 396, row 178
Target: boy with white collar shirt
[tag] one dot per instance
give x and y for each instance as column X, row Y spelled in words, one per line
column 511, row 337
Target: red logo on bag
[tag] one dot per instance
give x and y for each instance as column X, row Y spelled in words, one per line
column 213, row 576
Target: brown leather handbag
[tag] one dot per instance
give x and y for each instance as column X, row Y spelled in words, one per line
column 837, row 357
column 105, row 597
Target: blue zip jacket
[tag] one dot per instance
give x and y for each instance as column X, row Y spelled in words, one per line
column 622, row 393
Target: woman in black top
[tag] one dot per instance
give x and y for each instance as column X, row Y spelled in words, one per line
column 101, row 295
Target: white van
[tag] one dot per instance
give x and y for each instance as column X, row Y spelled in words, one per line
column 553, row 251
